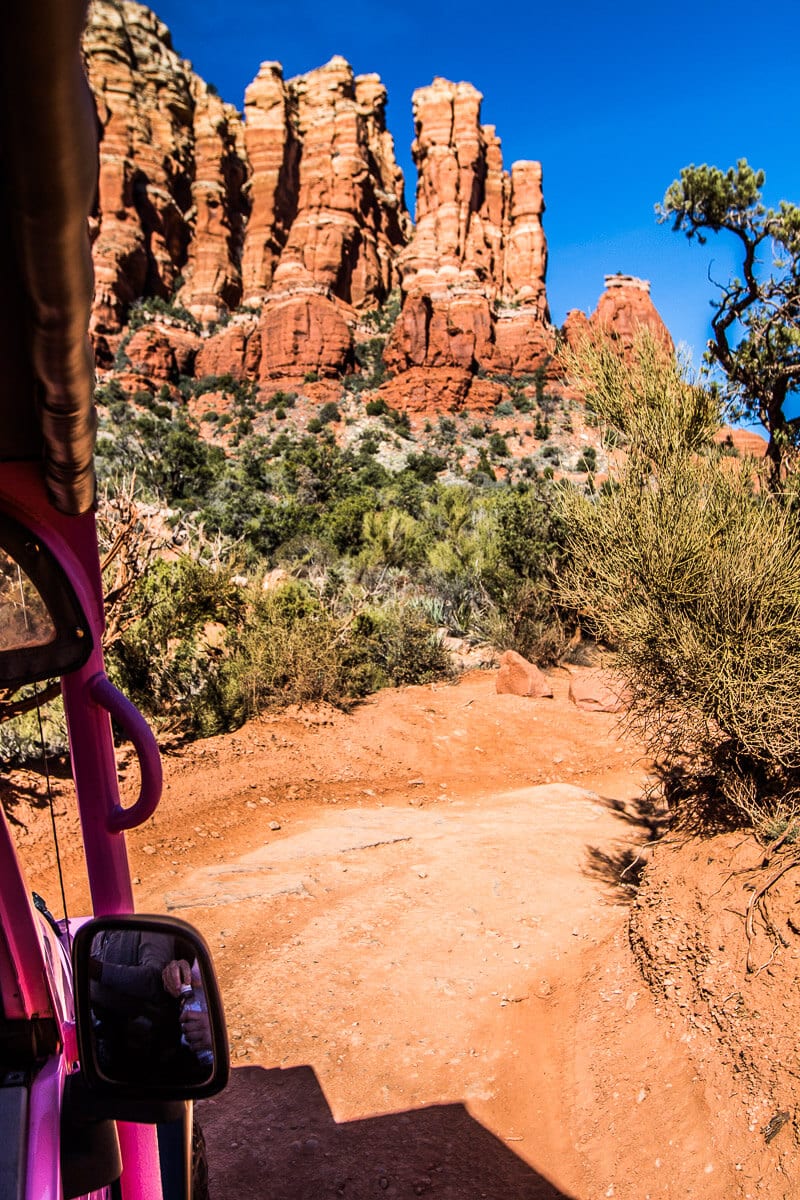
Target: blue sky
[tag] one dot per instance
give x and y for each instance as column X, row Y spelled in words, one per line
column 612, row 99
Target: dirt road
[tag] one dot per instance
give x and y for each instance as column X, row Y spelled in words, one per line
column 417, row 917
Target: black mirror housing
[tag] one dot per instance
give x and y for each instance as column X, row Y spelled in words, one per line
column 149, row 1015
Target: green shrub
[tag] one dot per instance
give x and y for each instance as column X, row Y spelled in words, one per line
column 393, row 646
column 166, row 661
column 281, row 400
column 498, row 445
column 286, row 652
column 21, row 736
column 693, row 573
column 384, row 317
column 446, row 431
column 294, row 649
column 142, row 312
column 329, row 413
column 426, row 466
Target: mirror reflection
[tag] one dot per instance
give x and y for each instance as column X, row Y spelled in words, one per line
column 149, row 1011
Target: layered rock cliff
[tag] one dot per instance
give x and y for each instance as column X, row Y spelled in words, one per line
column 297, row 210
column 278, row 232
column 171, row 207
column 624, row 308
column 473, row 274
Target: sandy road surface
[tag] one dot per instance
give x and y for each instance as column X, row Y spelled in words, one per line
column 421, row 940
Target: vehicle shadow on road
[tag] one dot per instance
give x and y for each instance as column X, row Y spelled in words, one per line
column 271, row 1134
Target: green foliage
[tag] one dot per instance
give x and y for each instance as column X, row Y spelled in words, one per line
column 390, row 537
column 587, row 461
column 142, row 312
column 382, row 319
column 281, row 400
column 692, row 572
column 426, row 466
column 498, row 445
column 295, row 647
column 168, row 661
column 329, row 413
column 369, row 356
column 393, row 646
column 447, row 431
column 21, row 736
column 343, row 523
column 645, row 398
column 756, row 338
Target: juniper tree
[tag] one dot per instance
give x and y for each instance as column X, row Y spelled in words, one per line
column 755, row 327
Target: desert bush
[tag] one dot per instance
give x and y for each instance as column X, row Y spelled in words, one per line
column 390, row 538
column 393, row 645
column 286, row 652
column 691, row 571
column 521, row 574
column 297, row 645
column 168, row 661
column 498, row 445
column 23, row 739
column 329, row 413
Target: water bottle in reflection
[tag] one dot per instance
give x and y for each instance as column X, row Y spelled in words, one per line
column 193, row 999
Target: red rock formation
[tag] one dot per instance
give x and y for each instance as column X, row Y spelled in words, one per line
column 518, row 677
column 746, row 443
column 161, row 354
column 272, row 152
column 234, row 350
column 327, row 194
column 212, row 277
column 474, row 272
column 299, row 214
column 428, row 390
column 301, row 335
column 624, row 307
column 170, row 171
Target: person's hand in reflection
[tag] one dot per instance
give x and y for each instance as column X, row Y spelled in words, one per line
column 176, row 976
column 196, row 1029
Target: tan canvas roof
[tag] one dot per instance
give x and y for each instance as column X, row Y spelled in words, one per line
column 48, row 177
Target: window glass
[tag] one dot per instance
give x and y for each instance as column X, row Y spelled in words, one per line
column 24, row 619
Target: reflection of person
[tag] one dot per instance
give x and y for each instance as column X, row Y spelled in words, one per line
column 137, row 1021
column 184, row 982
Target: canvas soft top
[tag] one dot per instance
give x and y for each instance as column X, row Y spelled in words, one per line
column 48, row 177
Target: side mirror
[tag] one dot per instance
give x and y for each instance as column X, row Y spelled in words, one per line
column 148, row 1010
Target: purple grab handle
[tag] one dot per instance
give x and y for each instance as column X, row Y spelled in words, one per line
column 126, row 714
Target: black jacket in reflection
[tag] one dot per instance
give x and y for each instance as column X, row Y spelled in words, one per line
column 137, row 1026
